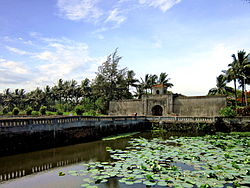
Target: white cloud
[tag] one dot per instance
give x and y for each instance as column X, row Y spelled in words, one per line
column 13, row 74
column 191, row 73
column 12, row 66
column 79, row 9
column 57, row 58
column 65, row 59
column 115, row 17
column 164, row 5
column 17, row 51
column 197, row 73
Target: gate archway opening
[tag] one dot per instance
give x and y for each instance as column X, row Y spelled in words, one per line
column 157, row 110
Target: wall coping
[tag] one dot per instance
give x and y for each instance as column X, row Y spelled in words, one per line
column 200, row 97
column 13, row 122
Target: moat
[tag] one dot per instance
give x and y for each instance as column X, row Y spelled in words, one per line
column 40, row 169
column 152, row 158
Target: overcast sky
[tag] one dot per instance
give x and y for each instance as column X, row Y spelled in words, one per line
column 191, row 40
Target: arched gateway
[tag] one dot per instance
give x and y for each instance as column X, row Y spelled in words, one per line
column 157, row 110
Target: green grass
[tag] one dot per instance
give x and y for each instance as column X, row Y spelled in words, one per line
column 240, row 133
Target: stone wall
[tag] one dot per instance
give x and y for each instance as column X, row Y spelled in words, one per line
column 126, row 107
column 164, row 101
column 28, row 134
column 199, row 106
column 181, row 106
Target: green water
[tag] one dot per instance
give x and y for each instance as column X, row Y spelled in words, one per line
column 40, row 169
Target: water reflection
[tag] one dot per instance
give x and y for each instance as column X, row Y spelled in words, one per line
column 20, row 165
column 24, row 164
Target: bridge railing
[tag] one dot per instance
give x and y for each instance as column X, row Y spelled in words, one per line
column 182, row 119
column 25, row 121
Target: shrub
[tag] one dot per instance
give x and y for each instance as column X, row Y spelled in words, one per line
column 59, row 112
column 79, row 109
column 64, row 107
column 5, row 110
column 43, row 110
column 49, row 113
column 29, row 111
column 227, row 112
column 90, row 113
column 15, row 111
column 243, row 111
column 87, row 104
column 35, row 113
column 100, row 105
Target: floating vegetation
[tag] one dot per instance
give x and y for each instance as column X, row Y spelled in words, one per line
column 61, row 174
column 209, row 161
column 120, row 136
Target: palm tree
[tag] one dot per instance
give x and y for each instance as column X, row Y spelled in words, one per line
column 36, row 98
column 241, row 65
column 145, row 84
column 59, row 90
column 221, row 88
column 139, row 91
column 131, row 80
column 8, row 98
column 85, row 89
column 163, row 79
column 19, row 98
column 232, row 75
column 72, row 89
column 50, row 97
column 152, row 81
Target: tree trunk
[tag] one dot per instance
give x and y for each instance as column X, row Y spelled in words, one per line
column 242, row 92
column 235, row 92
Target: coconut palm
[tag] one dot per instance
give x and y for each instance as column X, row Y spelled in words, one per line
column 59, row 90
column 232, row 74
column 221, row 87
column 152, row 81
column 36, row 98
column 131, row 80
column 242, row 66
column 145, row 83
column 163, row 79
column 139, row 91
column 85, row 89
column 8, row 99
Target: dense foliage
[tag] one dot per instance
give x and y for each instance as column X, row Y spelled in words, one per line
column 238, row 72
column 227, row 112
column 110, row 83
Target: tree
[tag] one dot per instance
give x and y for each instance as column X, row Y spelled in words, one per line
column 163, row 79
column 145, row 84
column 36, row 98
column 232, row 75
column 59, row 90
column 221, row 88
column 85, row 88
column 152, row 81
column 139, row 91
column 242, row 69
column 8, row 99
column 110, row 82
column 131, row 80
